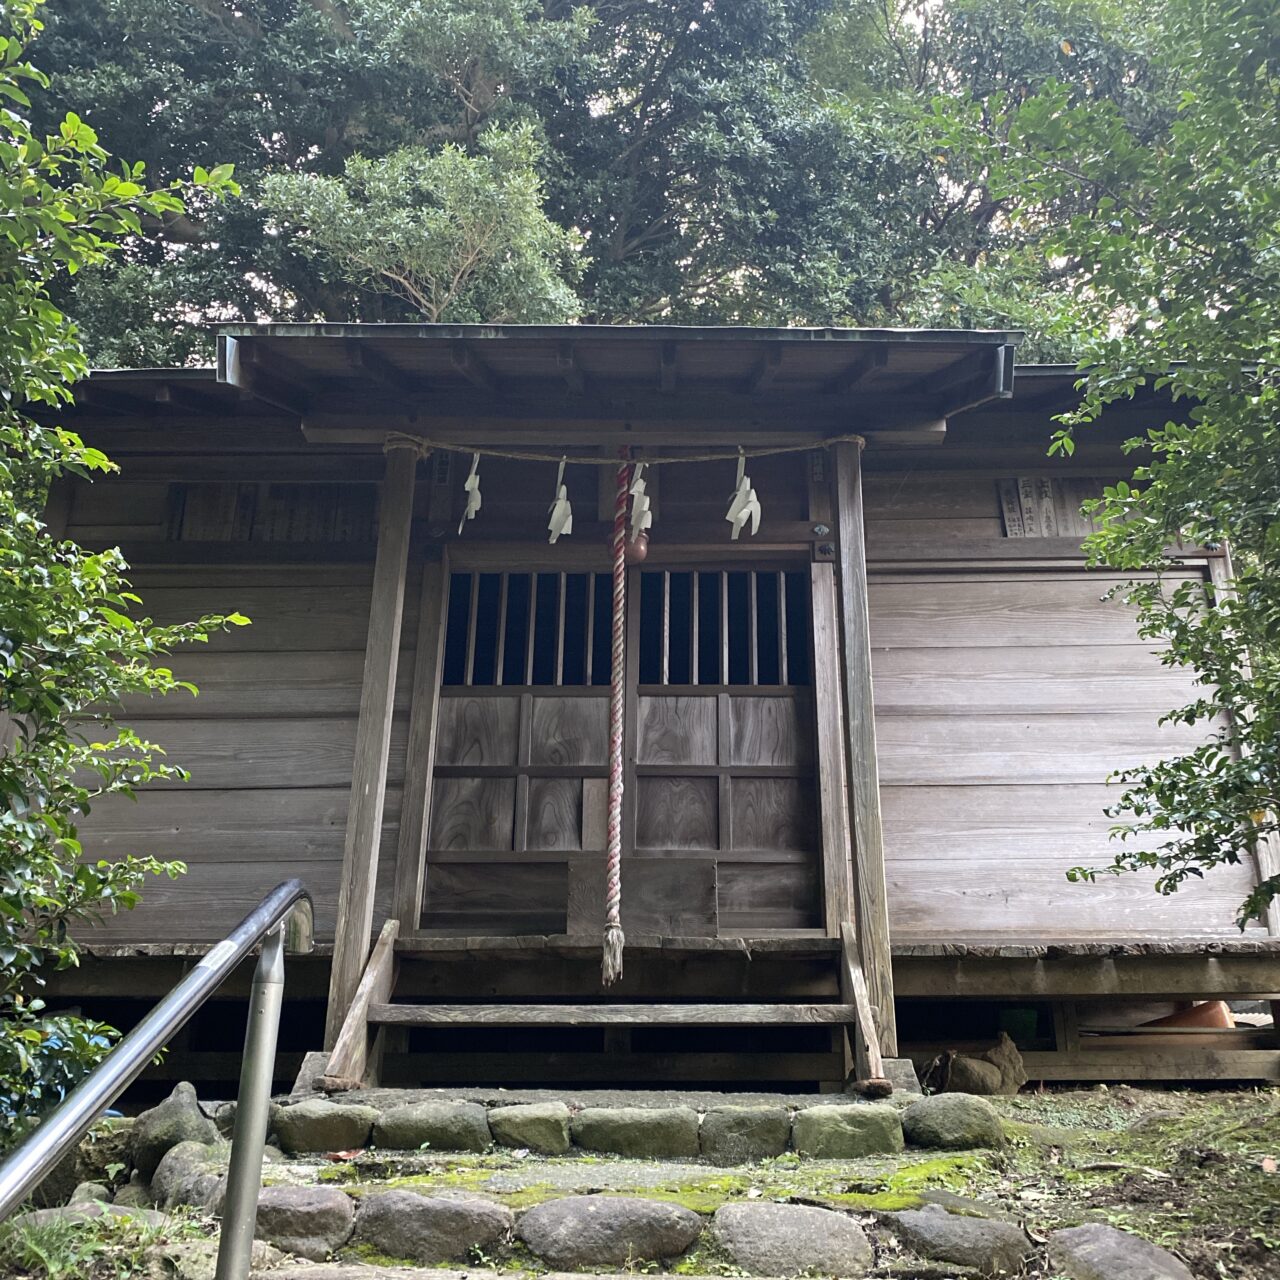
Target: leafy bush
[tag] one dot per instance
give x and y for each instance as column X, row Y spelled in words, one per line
column 70, row 646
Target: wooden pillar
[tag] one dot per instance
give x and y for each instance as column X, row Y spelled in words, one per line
column 871, row 907
column 373, row 734
column 420, row 757
column 837, row 887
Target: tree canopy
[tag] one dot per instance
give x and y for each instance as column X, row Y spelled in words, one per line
column 761, row 162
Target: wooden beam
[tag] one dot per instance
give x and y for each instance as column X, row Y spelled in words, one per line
column 239, row 363
column 849, row 378
column 415, row 808
column 189, row 400
column 633, row 1069
column 469, row 365
column 1174, row 977
column 373, row 736
column 573, row 376
column 837, row 870
column 1155, row 1064
column 614, row 1015
column 111, row 400
column 763, row 375
column 667, row 368
column 869, row 891
column 364, row 355
column 348, row 1064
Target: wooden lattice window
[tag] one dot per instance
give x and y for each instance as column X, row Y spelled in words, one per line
column 695, row 627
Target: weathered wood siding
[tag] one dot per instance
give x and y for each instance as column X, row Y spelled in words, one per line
column 1004, row 698
column 1005, row 694
column 268, row 743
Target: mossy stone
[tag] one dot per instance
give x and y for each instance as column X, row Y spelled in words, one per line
column 536, row 1126
column 437, row 1126
column 847, row 1132
column 736, row 1134
column 638, row 1131
column 953, row 1122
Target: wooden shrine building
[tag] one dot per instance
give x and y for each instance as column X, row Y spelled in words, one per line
column 873, row 735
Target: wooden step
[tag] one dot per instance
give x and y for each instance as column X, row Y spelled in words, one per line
column 584, row 1015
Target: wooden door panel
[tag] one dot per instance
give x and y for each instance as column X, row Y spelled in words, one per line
column 477, row 731
column 720, row 822
column 670, row 897
column 770, row 731
column 763, row 895
column 677, row 730
column 774, row 813
column 496, row 897
column 555, row 814
column 472, row 813
column 677, row 813
column 569, row 731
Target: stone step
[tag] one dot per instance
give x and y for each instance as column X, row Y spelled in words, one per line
column 366, row 1271
column 838, row 1127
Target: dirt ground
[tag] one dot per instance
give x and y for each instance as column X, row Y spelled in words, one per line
column 1197, row 1172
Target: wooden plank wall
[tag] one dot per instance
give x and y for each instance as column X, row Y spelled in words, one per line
column 1004, row 697
column 1005, row 693
column 268, row 742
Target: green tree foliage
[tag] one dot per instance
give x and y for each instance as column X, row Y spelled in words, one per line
column 1179, row 248
column 457, row 237
column 69, row 648
column 710, row 175
column 955, row 77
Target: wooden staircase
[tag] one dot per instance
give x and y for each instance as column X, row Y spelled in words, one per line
column 355, row 1059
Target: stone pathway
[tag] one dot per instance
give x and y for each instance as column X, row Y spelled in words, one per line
column 394, row 1187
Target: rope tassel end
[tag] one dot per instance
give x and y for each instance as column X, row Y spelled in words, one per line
column 611, row 960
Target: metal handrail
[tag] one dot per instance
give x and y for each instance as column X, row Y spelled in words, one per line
column 62, row 1130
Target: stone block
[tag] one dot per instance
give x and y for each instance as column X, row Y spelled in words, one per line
column 1098, row 1252
column 641, row 1132
column 320, row 1125
column 989, row 1246
column 430, row 1229
column 607, row 1231
column 538, row 1126
column 734, row 1135
column 177, row 1119
column 792, row 1240
column 437, row 1126
column 309, row 1221
column 847, row 1132
column 953, row 1122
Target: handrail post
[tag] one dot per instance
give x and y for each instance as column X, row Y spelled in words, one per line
column 244, row 1176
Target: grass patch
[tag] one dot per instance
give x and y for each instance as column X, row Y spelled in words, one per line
column 111, row 1247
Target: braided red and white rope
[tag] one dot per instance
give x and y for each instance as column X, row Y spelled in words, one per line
column 611, row 965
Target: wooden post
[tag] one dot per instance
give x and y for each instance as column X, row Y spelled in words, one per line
column 833, row 806
column 420, row 757
column 870, row 896
column 373, row 735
